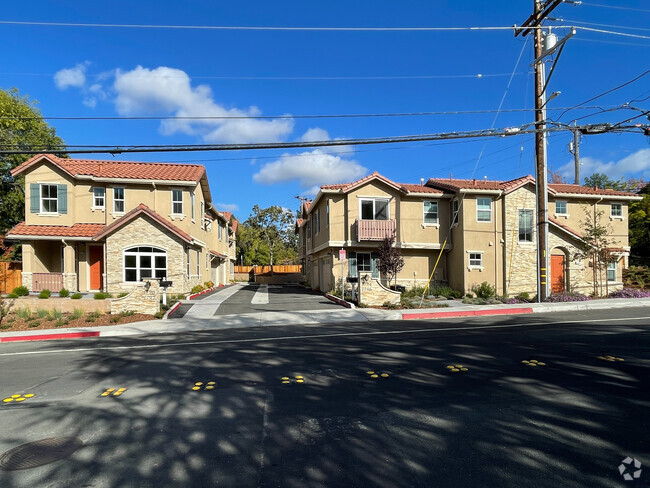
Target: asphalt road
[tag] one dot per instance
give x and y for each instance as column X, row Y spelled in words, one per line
column 501, row 423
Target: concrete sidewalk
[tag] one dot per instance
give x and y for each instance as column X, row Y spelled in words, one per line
column 319, row 317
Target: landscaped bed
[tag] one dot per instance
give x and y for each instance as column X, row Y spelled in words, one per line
column 24, row 319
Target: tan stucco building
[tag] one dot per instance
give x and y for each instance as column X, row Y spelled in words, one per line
column 475, row 230
column 107, row 225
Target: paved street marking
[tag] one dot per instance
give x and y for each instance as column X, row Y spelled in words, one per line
column 378, row 374
column 18, row 398
column 261, row 295
column 610, row 359
column 199, row 385
column 113, row 391
column 533, row 363
column 287, row 380
column 456, row 368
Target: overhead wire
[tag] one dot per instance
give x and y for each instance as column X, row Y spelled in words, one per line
column 617, row 7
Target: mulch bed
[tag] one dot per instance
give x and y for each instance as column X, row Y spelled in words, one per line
column 13, row 323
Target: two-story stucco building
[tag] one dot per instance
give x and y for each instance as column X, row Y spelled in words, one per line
column 475, row 230
column 106, row 225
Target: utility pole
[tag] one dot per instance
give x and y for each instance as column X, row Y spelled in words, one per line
column 533, row 23
column 574, row 148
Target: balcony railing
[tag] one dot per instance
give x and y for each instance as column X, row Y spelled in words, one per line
column 374, row 230
column 47, row 281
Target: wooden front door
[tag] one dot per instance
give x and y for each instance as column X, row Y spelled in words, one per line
column 96, row 267
column 557, row 274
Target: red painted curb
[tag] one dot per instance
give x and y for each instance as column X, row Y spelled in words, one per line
column 337, row 300
column 171, row 310
column 468, row 313
column 49, row 337
column 201, row 293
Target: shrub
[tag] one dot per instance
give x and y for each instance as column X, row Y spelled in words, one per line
column 76, row 313
column 12, row 295
column 24, row 313
column 64, row 293
column 456, row 294
column 416, row 291
column 61, row 322
column 6, row 326
column 567, row 296
column 114, row 319
column 524, row 296
column 92, row 316
column 100, row 295
column 159, row 314
column 484, row 291
column 42, row 313
column 21, row 291
column 469, row 295
column 56, row 314
column 35, row 323
column 76, row 296
column 630, row 293
column 391, row 306
column 208, row 284
column 636, row 276
column 197, row 289
column 45, row 294
column 127, row 313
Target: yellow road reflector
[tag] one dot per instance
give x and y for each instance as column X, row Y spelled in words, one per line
column 210, row 383
column 15, row 396
column 285, row 378
column 300, row 381
column 384, row 375
column 532, row 364
column 454, row 370
column 299, row 377
column 21, row 399
column 620, row 359
column 450, row 367
column 534, row 361
column 374, row 376
column 198, row 383
column 7, row 400
column 209, row 387
column 524, row 362
column 370, row 372
column 464, row 369
column 541, row 364
column 105, row 393
column 459, row 366
column 286, row 382
column 196, row 388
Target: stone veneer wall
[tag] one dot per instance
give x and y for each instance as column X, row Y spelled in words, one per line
column 27, row 280
column 520, row 258
column 65, row 305
column 143, row 299
column 141, row 232
column 373, row 293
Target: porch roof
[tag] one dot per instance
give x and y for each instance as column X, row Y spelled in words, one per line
column 24, row 231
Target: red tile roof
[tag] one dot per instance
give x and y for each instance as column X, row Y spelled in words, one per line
column 218, row 254
column 587, row 190
column 414, row 188
column 234, row 225
column 142, row 209
column 404, row 187
column 119, row 169
column 475, row 184
column 565, row 227
column 228, row 215
column 76, row 230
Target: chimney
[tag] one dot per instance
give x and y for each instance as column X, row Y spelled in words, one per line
column 421, row 181
column 474, row 181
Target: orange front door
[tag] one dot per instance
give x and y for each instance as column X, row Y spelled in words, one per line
column 96, row 267
column 557, row 274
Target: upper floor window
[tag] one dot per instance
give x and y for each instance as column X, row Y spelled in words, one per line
column 99, row 197
column 192, row 205
column 560, row 207
column 430, row 210
column 525, row 226
column 118, row 199
column 616, row 210
column 476, row 260
column 198, row 262
column 454, row 212
column 177, row 202
column 484, row 210
column 327, row 213
column 317, row 222
column 49, row 198
column 374, row 209
column 220, row 231
column 308, row 229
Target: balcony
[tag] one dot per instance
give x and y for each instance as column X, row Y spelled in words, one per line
column 374, row 230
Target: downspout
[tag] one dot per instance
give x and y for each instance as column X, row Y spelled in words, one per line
column 496, row 248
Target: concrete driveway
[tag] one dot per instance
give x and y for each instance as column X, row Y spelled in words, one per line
column 252, row 298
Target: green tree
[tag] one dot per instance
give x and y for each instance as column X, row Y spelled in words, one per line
column 596, row 247
column 272, row 227
column 601, row 180
column 21, row 127
column 639, row 226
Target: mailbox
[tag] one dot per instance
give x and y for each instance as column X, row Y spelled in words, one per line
column 166, row 284
column 352, row 279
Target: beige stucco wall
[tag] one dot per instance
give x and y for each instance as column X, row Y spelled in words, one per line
column 45, row 173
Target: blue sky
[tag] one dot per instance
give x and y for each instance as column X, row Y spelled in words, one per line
column 109, row 72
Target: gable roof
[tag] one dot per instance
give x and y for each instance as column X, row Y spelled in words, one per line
column 142, row 209
column 587, row 190
column 565, row 227
column 451, row 184
column 76, row 230
column 118, row 169
column 403, row 187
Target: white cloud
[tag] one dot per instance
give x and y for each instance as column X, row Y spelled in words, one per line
column 169, row 90
column 71, row 77
column 311, row 169
column 315, row 134
column 226, row 207
column 636, row 164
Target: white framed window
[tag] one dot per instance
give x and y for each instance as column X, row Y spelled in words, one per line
column 49, row 198
column 192, row 205
column 220, row 231
column 616, row 210
column 118, row 199
column 142, row 262
column 430, row 212
column 475, row 260
column 187, row 254
column 177, row 202
column 374, row 208
column 611, row 271
column 525, row 226
column 455, row 206
column 198, row 262
column 99, row 197
column 561, row 207
column 484, row 210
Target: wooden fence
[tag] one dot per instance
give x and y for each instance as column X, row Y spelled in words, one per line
column 280, row 268
column 10, row 276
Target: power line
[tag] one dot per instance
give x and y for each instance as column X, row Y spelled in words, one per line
column 614, row 7
column 96, row 149
column 258, row 28
column 605, row 25
column 611, row 42
column 603, row 31
column 305, row 116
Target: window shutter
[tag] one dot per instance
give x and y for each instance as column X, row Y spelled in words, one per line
column 34, row 204
column 374, row 266
column 352, row 264
column 63, row 199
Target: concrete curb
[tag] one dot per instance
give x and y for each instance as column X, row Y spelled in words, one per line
column 340, row 301
column 194, row 295
column 171, row 310
column 466, row 313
